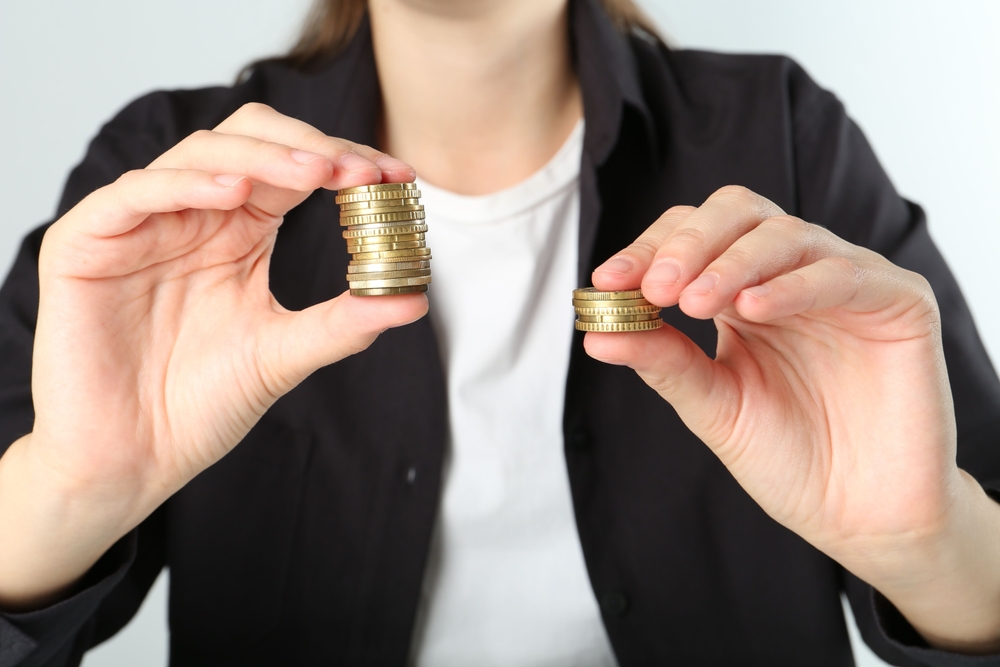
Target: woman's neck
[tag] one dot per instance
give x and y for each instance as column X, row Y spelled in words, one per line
column 477, row 94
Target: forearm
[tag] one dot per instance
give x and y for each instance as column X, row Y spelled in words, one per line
column 947, row 582
column 52, row 530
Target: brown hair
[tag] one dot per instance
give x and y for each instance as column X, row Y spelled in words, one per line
column 331, row 24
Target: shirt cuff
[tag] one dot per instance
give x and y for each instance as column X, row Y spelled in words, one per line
column 898, row 633
column 34, row 637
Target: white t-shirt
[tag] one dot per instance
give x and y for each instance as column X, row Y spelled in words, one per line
column 506, row 584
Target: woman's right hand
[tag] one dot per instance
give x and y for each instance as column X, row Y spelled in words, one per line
column 158, row 344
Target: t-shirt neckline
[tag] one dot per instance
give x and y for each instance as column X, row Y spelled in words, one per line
column 560, row 172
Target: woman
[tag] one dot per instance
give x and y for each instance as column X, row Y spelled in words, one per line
column 711, row 520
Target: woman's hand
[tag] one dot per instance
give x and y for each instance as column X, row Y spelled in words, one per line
column 828, row 399
column 158, row 343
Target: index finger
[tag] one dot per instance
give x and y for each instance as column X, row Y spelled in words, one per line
column 354, row 164
column 684, row 248
column 625, row 269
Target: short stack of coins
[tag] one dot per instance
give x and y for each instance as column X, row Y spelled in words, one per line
column 626, row 310
column 385, row 233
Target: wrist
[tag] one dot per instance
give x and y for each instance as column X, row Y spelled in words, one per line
column 52, row 528
column 945, row 578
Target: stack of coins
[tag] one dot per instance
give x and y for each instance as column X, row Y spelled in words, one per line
column 614, row 311
column 385, row 236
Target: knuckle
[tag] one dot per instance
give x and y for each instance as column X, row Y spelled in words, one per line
column 665, row 385
column 197, row 137
column 668, row 381
column 741, row 259
column 644, row 245
column 124, row 191
column 787, row 225
column 847, row 268
column 919, row 284
column 315, row 141
column 928, row 300
column 128, row 181
column 251, row 110
column 352, row 343
column 360, row 344
column 743, row 197
column 655, row 234
column 688, row 236
column 355, row 147
column 679, row 211
column 201, row 135
column 842, row 264
column 826, row 243
column 796, row 281
column 735, row 194
column 741, row 264
column 739, row 191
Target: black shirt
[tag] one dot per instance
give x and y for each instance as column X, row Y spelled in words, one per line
column 307, row 544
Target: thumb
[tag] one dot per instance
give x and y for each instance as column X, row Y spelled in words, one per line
column 703, row 392
column 299, row 343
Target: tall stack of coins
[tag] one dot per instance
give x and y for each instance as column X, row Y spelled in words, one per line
column 614, row 311
column 385, row 236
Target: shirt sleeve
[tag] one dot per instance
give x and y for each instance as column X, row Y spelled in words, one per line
column 61, row 633
column 113, row 590
column 842, row 186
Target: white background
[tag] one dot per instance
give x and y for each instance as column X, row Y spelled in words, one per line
column 922, row 79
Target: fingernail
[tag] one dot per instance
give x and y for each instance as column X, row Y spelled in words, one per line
column 389, row 163
column 616, row 265
column 760, row 291
column 705, row 283
column 353, row 162
column 305, row 157
column 664, row 272
column 228, row 180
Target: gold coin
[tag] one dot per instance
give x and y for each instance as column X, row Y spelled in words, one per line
column 386, row 275
column 391, row 282
column 392, row 254
column 402, row 216
column 380, row 228
column 619, row 326
column 385, row 225
column 388, row 210
column 643, row 317
column 372, row 243
column 378, row 195
column 370, row 210
column 355, row 249
column 378, row 205
column 368, row 261
column 390, row 266
column 384, row 238
column 622, row 303
column 378, row 187
column 617, row 310
column 385, row 291
column 591, row 294
column 382, row 247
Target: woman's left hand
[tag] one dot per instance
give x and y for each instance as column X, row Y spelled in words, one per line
column 828, row 399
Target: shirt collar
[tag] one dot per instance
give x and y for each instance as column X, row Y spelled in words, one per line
column 342, row 97
column 608, row 77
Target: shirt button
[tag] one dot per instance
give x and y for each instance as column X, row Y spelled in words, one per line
column 580, row 440
column 614, row 604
